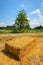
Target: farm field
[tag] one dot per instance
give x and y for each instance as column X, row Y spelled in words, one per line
column 33, row 56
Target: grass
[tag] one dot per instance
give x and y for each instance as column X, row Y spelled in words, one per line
column 26, row 31
column 37, row 31
column 5, row 31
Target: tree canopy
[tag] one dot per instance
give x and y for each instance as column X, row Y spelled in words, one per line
column 22, row 20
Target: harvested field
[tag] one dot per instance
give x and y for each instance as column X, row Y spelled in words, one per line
column 33, row 56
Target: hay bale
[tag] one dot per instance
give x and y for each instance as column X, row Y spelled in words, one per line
column 19, row 45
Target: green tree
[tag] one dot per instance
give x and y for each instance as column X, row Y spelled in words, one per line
column 22, row 21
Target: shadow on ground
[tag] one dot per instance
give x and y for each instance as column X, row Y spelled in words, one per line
column 10, row 55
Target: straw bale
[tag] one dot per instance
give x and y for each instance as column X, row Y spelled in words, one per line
column 19, row 45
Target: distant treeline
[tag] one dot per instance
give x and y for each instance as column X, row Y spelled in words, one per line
column 13, row 27
column 39, row 27
column 7, row 28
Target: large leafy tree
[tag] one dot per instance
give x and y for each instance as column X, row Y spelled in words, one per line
column 22, row 20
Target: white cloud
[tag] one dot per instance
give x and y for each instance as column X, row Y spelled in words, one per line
column 41, row 20
column 37, row 11
column 2, row 24
column 5, row 24
column 36, row 22
column 42, row 4
column 22, row 5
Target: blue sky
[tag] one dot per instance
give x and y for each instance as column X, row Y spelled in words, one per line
column 10, row 8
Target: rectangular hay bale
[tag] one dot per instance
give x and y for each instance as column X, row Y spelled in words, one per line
column 19, row 45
